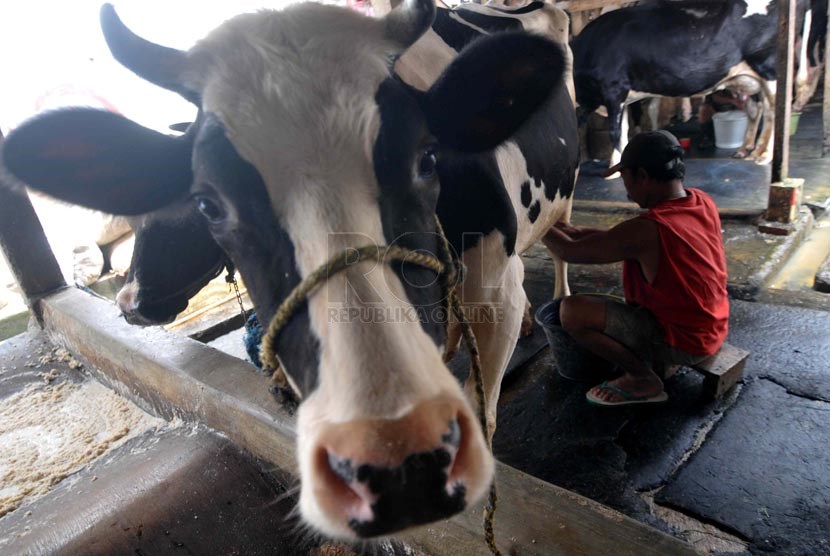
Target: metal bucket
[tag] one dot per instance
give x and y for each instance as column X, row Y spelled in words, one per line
column 572, row 361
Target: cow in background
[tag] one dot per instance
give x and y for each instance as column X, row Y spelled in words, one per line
column 812, row 59
column 307, row 145
column 676, row 49
column 173, row 257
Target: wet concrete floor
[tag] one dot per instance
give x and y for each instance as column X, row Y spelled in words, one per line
column 753, row 464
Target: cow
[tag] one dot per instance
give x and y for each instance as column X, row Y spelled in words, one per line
column 676, row 49
column 812, row 54
column 174, row 256
column 307, row 145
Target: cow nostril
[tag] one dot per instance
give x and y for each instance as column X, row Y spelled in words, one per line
column 346, row 490
column 126, row 300
column 341, row 467
column 452, row 437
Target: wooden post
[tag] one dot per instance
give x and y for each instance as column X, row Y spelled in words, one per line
column 826, row 106
column 783, row 92
column 24, row 245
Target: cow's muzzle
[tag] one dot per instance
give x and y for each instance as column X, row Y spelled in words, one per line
column 382, row 476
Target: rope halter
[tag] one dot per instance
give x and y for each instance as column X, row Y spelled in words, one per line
column 450, row 272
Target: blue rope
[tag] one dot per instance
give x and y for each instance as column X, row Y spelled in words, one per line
column 253, row 339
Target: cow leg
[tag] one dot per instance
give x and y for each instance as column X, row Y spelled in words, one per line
column 807, row 88
column 618, row 130
column 685, row 111
column 652, row 113
column 560, row 267
column 763, row 150
column 755, row 113
column 494, row 301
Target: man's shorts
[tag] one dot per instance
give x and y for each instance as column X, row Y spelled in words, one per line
column 638, row 329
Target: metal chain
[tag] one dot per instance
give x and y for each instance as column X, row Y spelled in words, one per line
column 230, row 279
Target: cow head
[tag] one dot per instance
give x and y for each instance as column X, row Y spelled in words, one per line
column 306, row 145
column 174, row 257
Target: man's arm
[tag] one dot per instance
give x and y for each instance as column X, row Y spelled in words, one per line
column 577, row 232
column 637, row 239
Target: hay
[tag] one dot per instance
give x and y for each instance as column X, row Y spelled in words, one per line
column 49, row 431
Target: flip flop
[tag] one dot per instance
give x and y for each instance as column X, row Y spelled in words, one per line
column 627, row 397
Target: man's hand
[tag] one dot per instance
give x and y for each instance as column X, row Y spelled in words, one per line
column 576, row 232
column 556, row 239
column 636, row 239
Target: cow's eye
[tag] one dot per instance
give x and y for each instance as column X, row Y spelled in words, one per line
column 426, row 165
column 210, row 209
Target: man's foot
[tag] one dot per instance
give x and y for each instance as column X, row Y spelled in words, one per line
column 627, row 390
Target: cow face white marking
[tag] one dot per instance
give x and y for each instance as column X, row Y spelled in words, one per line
column 309, row 123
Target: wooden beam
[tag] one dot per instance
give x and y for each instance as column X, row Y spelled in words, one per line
column 24, row 244
column 179, row 377
column 783, row 92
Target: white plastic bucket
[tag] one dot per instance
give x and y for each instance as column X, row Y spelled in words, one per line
column 730, row 129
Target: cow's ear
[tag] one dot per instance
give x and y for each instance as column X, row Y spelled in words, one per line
column 99, row 160
column 496, row 83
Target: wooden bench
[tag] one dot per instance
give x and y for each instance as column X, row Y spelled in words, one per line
column 721, row 371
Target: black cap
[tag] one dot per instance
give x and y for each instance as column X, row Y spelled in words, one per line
column 657, row 152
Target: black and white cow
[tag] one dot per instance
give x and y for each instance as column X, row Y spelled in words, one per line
column 676, row 49
column 175, row 255
column 307, row 145
column 812, row 54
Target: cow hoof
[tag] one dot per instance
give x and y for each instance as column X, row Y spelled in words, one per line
column 741, row 154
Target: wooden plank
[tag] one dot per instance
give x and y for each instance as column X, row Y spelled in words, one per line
column 783, row 93
column 784, row 200
column 723, row 370
column 24, row 244
column 719, row 364
column 179, row 377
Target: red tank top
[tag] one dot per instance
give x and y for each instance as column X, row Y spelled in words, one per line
column 688, row 295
